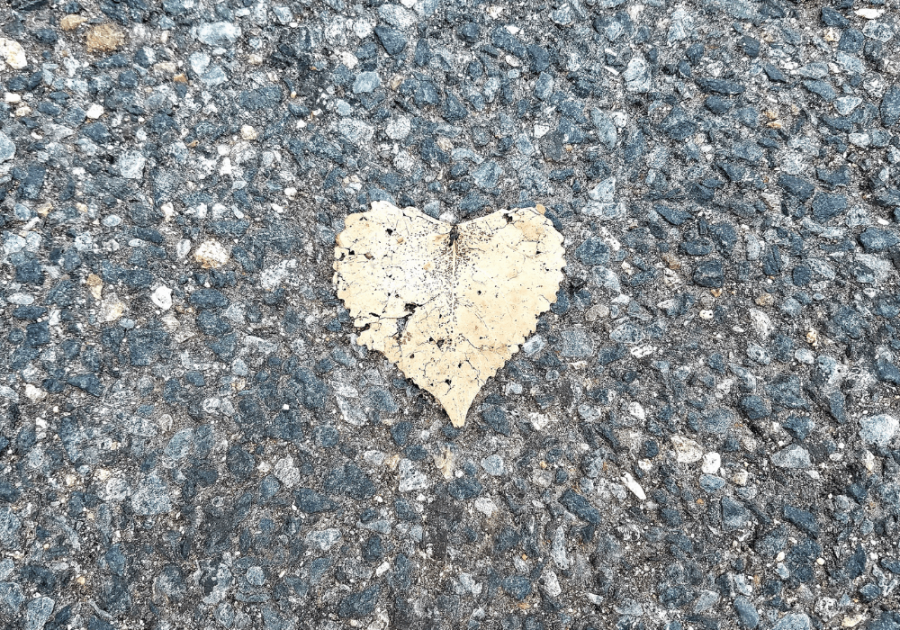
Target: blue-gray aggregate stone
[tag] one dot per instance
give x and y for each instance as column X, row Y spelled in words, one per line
column 711, row 483
column 734, row 514
column 799, row 427
column 7, row 148
column 878, row 430
column 394, row 41
column 793, row 456
column 803, row 519
column 10, row 526
column 747, row 614
column 366, row 82
column 709, row 274
column 493, row 465
column 576, row 344
column 580, row 507
column 877, row 239
column 793, row 621
column 593, row 251
column 11, row 597
column 151, row 497
column 360, row 604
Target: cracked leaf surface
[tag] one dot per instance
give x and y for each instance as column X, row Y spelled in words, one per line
column 448, row 305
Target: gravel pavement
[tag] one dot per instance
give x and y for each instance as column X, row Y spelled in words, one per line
column 701, row 433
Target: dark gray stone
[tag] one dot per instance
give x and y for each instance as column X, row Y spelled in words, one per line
column 890, row 106
column 360, row 604
column 803, row 519
column 517, row 587
column 709, row 274
column 828, row 206
column 580, row 507
column 734, row 515
column 394, row 41
column 721, row 86
column 878, row 239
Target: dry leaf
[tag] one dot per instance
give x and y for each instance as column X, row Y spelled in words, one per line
column 448, row 304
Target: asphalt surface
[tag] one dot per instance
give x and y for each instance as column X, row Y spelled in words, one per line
column 702, row 432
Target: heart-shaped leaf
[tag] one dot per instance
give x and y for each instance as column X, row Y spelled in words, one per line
column 448, row 304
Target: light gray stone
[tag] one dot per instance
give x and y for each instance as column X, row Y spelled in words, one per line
column 131, row 165
column 151, row 497
column 878, row 430
column 576, row 344
column 323, row 540
column 487, row 175
column 493, row 465
column 7, row 148
column 795, row 621
column 38, row 612
column 366, row 82
column 637, row 74
column 396, row 15
column 793, row 456
column 218, row 33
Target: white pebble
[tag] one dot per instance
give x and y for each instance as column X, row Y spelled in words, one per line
column 869, row 14
column 34, row 394
column 687, row 451
column 711, row 463
column 634, row 486
column 162, row 297
column 12, row 53
column 486, row 506
column 637, row 410
column 211, row 254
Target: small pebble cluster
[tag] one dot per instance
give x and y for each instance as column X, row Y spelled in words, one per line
column 701, row 433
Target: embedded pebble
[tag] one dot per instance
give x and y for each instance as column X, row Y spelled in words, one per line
column 366, row 82
column 7, row 148
column 218, row 33
column 878, row 430
column 711, row 463
column 12, row 54
column 687, row 451
column 792, row 457
column 211, row 254
column 106, row 37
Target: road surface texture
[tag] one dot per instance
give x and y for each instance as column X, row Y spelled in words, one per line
column 701, row 433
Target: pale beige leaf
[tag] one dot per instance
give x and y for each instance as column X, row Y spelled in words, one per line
column 448, row 305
